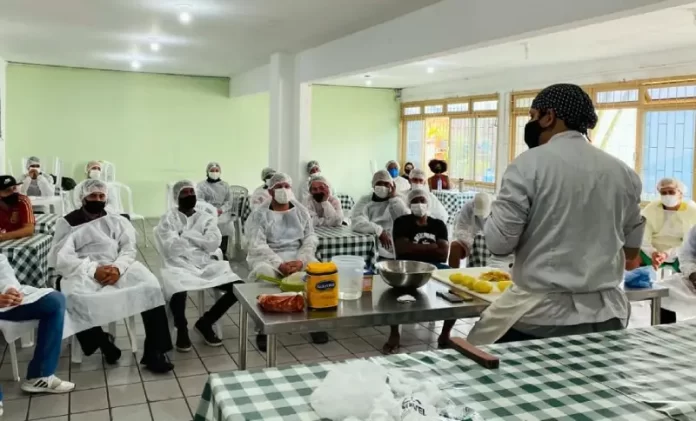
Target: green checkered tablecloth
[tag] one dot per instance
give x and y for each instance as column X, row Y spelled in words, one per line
column 340, row 241
column 637, row 374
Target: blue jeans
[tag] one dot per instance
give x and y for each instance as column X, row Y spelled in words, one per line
column 49, row 310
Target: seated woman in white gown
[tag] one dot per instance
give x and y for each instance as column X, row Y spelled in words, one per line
column 94, row 253
column 681, row 303
column 187, row 240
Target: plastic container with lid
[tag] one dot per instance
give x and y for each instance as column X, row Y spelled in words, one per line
column 321, row 288
column 350, row 273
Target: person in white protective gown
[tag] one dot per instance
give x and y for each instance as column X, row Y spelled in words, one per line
column 261, row 194
column 35, row 182
column 437, row 210
column 570, row 214
column 188, row 240
column 324, row 208
column 217, row 192
column 401, row 184
column 93, row 171
column 94, row 254
column 281, row 239
column 375, row 213
column 24, row 303
column 681, row 303
column 313, row 169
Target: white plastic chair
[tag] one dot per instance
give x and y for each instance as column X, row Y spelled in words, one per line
column 76, row 351
column 9, row 169
column 108, row 173
column 26, row 327
column 117, row 188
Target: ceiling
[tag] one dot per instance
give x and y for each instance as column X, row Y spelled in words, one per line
column 652, row 32
column 225, row 37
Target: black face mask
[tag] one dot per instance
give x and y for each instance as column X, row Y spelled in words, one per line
column 95, row 207
column 408, row 170
column 11, row 200
column 318, row 196
column 187, row 203
column 532, row 133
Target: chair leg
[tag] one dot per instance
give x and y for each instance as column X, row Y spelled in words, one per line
column 13, row 358
column 218, row 325
column 201, row 303
column 75, row 351
column 142, row 221
column 27, row 340
column 130, row 328
column 112, row 329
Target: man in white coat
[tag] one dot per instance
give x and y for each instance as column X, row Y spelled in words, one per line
column 188, row 240
column 94, row 253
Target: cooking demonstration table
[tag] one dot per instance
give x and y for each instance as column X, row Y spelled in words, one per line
column 29, row 258
column 635, row 374
column 338, row 241
column 654, row 295
column 376, row 308
column 46, row 223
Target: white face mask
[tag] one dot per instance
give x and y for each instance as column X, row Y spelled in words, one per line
column 283, row 196
column 381, row 192
column 419, row 209
column 214, row 175
column 670, row 201
column 94, row 174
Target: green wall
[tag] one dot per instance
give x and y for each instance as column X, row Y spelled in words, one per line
column 155, row 128
column 351, row 127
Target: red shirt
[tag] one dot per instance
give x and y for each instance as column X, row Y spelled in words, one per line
column 17, row 216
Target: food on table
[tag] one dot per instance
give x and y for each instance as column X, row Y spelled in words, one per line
column 495, row 276
column 288, row 302
column 463, row 280
column 503, row 285
column 482, row 287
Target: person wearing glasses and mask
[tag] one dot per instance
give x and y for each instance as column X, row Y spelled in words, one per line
column 16, row 215
column 401, row 184
column 188, row 240
column 570, row 214
column 324, row 208
column 217, row 192
column 375, row 213
column 261, row 194
column 36, row 183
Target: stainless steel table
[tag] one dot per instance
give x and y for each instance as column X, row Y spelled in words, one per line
column 654, row 295
column 376, row 308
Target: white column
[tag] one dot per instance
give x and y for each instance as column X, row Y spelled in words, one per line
column 503, row 152
column 3, row 113
column 290, row 119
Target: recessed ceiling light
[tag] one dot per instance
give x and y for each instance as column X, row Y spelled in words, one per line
column 184, row 14
column 154, row 46
column 368, row 82
column 431, row 70
column 135, row 65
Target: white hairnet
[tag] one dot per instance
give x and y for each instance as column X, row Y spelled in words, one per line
column 280, row 177
column 33, row 160
column 179, row 186
column 92, row 186
column 312, row 164
column 381, row 175
column 212, row 165
column 393, row 162
column 319, row 178
column 417, row 173
column 671, row 182
column 266, row 173
column 417, row 192
column 91, row 164
column 482, row 204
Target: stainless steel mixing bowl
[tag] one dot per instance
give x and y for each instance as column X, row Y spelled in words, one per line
column 405, row 274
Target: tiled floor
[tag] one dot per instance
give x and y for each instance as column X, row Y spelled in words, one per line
column 126, row 392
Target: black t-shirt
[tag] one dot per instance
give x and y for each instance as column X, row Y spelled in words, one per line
column 407, row 227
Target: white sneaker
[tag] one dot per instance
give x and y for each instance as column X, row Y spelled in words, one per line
column 50, row 384
column 2, row 410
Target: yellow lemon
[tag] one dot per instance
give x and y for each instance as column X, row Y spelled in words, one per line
column 469, row 281
column 456, row 278
column 483, row 287
column 503, row 285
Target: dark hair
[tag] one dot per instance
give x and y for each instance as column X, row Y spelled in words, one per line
column 409, row 163
column 435, row 162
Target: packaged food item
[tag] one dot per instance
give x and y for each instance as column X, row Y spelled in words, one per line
column 322, row 286
column 367, row 283
column 286, row 302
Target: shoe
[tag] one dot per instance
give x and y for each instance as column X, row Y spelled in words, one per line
column 319, row 337
column 110, row 351
column 158, row 364
column 208, row 334
column 261, row 342
column 183, row 342
column 50, row 384
column 2, row 410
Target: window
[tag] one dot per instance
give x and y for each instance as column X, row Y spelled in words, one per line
column 616, row 133
column 611, row 97
column 412, row 110
column 433, row 109
column 520, row 117
column 672, row 92
column 459, row 107
column 413, row 133
column 486, row 105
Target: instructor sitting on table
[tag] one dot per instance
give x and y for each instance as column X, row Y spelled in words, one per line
column 666, row 223
column 16, row 215
column 570, row 213
column 421, row 238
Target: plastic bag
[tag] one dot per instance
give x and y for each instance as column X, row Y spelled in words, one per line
column 287, row 302
column 640, row 278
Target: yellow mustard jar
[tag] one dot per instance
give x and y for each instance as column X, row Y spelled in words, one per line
column 321, row 288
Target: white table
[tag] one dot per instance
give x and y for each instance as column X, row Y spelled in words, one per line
column 53, row 202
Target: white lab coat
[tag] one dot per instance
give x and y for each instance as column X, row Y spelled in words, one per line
column 370, row 217
column 187, row 245
column 45, row 183
column 219, row 195
column 13, row 330
column 78, row 251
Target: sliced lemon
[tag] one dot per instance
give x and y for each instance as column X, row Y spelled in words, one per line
column 503, row 285
column 483, row 287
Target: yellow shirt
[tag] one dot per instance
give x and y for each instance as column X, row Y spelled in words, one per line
column 665, row 230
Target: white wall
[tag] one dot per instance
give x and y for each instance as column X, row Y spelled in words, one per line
column 3, row 113
column 255, row 81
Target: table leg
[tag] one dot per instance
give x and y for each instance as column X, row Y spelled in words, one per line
column 243, row 337
column 271, row 351
column 655, row 305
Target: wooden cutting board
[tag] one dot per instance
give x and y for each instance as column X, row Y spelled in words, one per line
column 444, row 274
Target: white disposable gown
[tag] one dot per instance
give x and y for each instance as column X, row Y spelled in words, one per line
column 187, row 246
column 278, row 237
column 258, row 197
column 78, row 251
column 219, row 195
column 324, row 214
column 44, row 182
column 682, row 292
column 467, row 226
column 370, row 217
